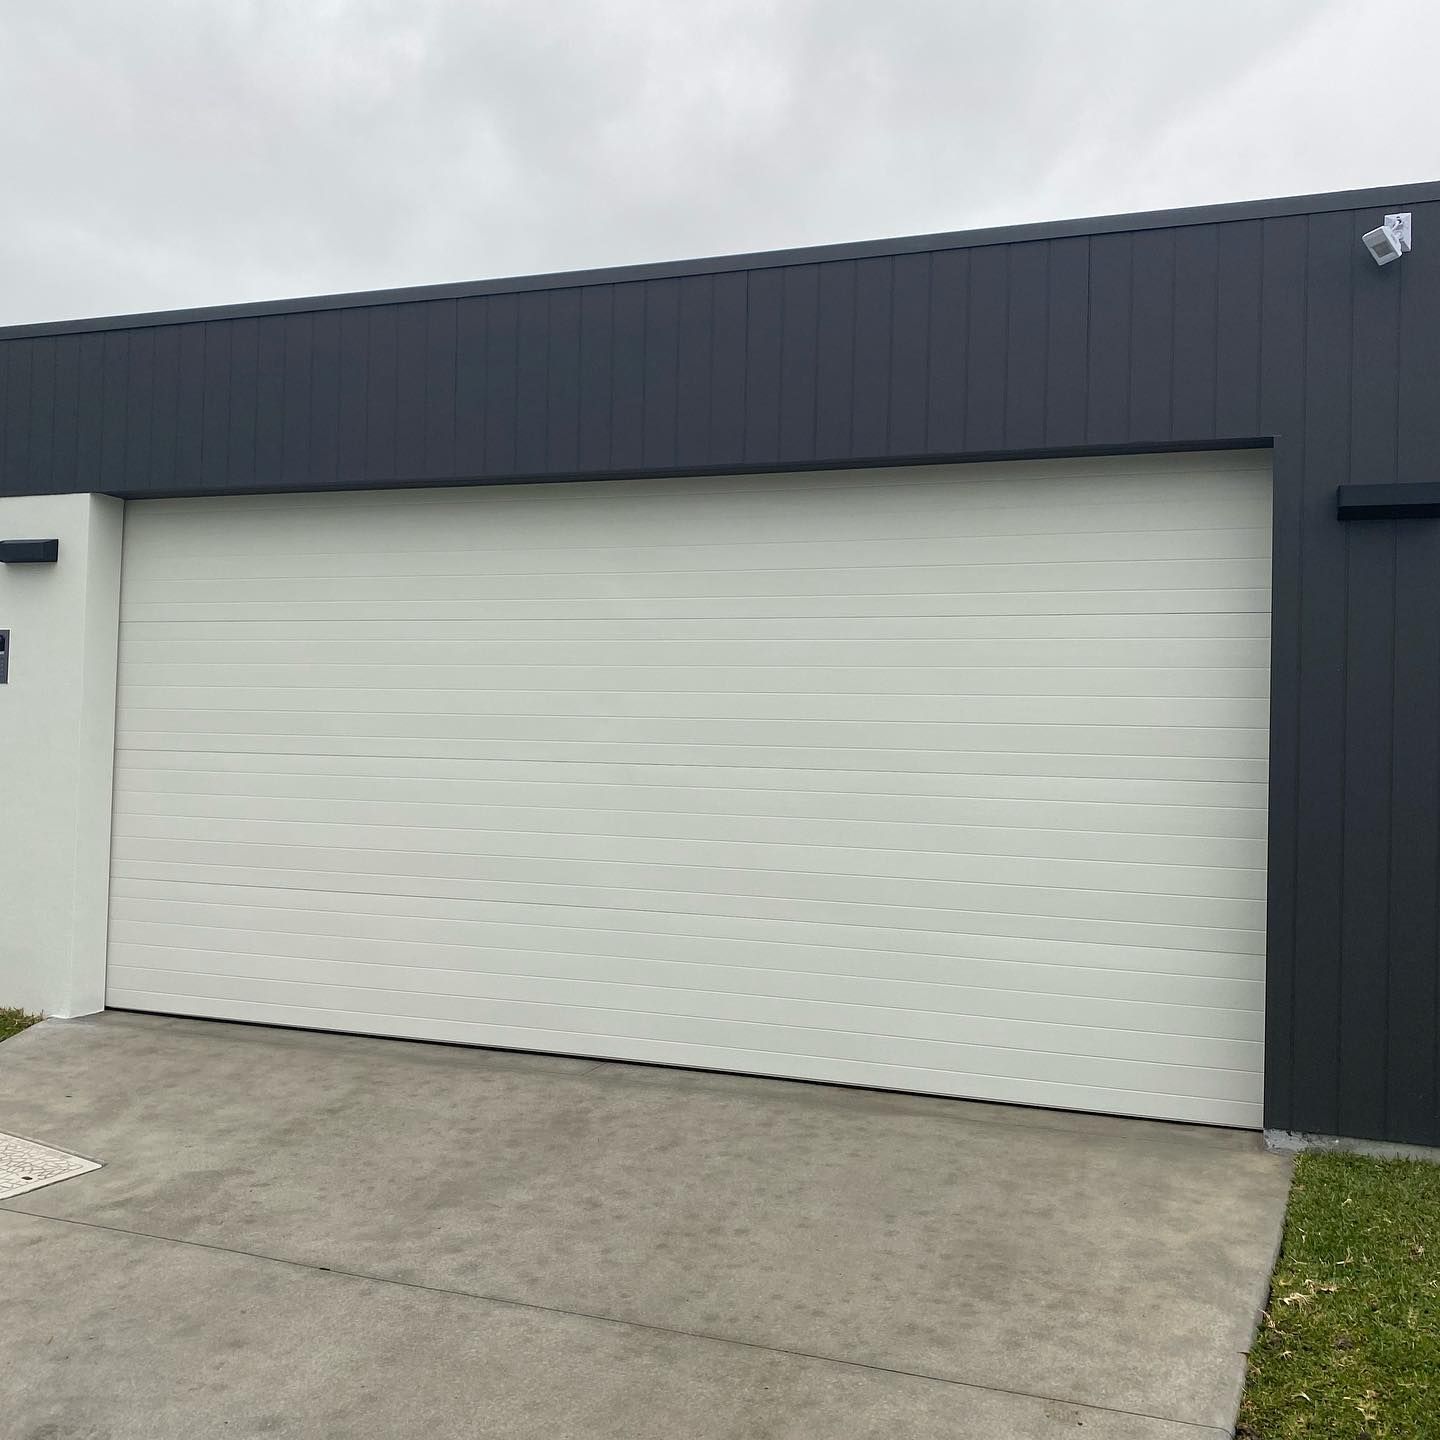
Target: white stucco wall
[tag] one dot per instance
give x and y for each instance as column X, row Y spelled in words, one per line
column 57, row 744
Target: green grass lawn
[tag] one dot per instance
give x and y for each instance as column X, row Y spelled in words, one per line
column 1349, row 1348
column 12, row 1022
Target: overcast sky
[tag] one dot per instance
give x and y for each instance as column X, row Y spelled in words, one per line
column 159, row 153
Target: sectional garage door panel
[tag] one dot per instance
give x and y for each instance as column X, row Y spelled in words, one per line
column 949, row 779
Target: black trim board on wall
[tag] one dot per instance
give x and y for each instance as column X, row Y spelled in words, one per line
column 1259, row 323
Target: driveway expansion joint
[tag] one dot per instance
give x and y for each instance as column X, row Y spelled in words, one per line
column 10, row 1208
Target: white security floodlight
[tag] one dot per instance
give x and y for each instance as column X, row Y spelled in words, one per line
column 1390, row 241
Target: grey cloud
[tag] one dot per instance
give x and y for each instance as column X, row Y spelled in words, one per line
column 173, row 152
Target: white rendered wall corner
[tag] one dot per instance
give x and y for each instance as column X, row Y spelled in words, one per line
column 57, row 740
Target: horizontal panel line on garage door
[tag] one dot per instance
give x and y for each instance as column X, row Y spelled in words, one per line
column 141, row 827
column 152, row 934
column 1027, row 1051
column 203, row 562
column 1197, row 911
column 185, row 860
column 1111, row 818
column 241, row 780
column 960, row 949
column 337, row 882
column 329, row 756
column 566, row 714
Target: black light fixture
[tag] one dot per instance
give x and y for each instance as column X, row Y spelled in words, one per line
column 29, row 552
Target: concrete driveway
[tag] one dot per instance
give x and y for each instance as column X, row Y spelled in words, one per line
column 326, row 1236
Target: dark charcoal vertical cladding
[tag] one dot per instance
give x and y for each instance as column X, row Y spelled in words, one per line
column 1197, row 293
column 563, row 372
column 627, row 379
column 692, row 370
column 411, row 386
column 1319, row 833
column 471, row 355
column 40, row 421
column 1108, row 392
column 989, row 356
column 1027, row 345
column 662, row 343
column 729, row 324
column 532, row 378
column 764, row 334
column 870, row 399
column 1067, row 369
column 295, row 468
column 325, row 398
column 1412, row 1035
column 597, row 325
column 244, row 401
column 835, row 362
column 1152, row 334
column 269, row 442
column 1263, row 323
column 909, row 356
column 799, row 368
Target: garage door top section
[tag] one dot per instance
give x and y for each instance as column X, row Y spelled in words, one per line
column 949, row 779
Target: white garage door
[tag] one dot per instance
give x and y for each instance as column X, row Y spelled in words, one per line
column 942, row 779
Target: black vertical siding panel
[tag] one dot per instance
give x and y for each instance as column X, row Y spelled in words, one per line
column 1417, row 410
column 412, row 381
column 909, row 355
column 40, row 417
column 8, row 479
column 662, row 344
column 1067, row 374
column 870, row 423
column 597, row 323
column 1240, row 265
column 532, row 376
column 1152, row 334
column 501, row 336
column 471, row 350
column 215, row 406
column 1197, row 290
column 325, row 397
column 139, row 404
column 1369, row 711
column 799, row 363
column 693, row 356
column 164, row 409
column 382, row 383
column 1027, row 345
column 627, row 378
column 114, row 421
column 190, row 408
column 1108, row 400
column 295, row 422
column 437, row 460
column 835, row 360
column 764, row 335
column 1364, row 904
column 270, row 401
column 989, row 329
column 727, row 368
column 244, row 393
column 1279, row 293
column 90, row 411
column 15, row 417
column 353, row 388
column 1321, row 747
column 563, row 368
column 67, row 402
column 1412, row 1019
